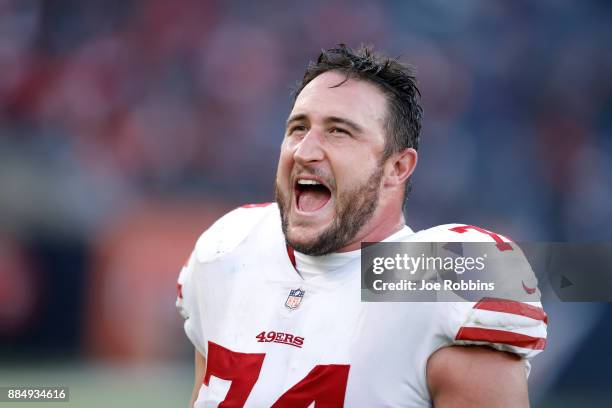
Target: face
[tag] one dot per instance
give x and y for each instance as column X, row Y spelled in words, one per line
column 329, row 171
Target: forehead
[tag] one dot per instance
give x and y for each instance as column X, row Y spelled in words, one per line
column 358, row 100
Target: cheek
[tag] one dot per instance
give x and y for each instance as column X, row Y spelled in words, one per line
column 285, row 160
column 352, row 171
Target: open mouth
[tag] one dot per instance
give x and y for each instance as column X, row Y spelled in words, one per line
column 311, row 195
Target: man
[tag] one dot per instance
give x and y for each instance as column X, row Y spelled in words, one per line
column 271, row 293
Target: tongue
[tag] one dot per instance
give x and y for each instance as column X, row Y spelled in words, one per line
column 313, row 199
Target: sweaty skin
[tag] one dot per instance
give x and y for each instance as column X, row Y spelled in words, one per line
column 336, row 135
column 474, row 377
column 200, row 369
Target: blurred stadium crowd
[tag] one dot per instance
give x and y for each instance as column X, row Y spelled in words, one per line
column 127, row 126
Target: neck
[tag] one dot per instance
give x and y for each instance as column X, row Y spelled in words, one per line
column 376, row 230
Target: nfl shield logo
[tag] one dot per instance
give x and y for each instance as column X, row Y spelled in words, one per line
column 295, row 298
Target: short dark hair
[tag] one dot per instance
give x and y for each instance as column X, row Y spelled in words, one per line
column 396, row 79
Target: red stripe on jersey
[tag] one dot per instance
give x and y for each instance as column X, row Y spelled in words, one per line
column 291, row 254
column 255, row 205
column 513, row 307
column 500, row 336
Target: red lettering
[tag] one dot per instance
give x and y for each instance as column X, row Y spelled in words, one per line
column 242, row 369
column 325, row 385
column 499, row 242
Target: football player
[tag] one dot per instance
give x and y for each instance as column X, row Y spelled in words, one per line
column 271, row 292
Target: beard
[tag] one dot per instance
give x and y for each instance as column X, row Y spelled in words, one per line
column 353, row 210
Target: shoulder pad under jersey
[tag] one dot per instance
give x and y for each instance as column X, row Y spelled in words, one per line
column 230, row 230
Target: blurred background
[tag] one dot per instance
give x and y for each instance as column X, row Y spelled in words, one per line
column 127, row 127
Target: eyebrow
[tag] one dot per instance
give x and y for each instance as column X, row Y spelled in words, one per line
column 295, row 118
column 329, row 119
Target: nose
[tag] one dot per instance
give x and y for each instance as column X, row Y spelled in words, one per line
column 310, row 149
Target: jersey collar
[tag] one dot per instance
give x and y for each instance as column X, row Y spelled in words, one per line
column 311, row 266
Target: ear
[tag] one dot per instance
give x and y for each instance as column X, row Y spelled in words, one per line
column 399, row 166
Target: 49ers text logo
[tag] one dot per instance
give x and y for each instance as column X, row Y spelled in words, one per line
column 278, row 337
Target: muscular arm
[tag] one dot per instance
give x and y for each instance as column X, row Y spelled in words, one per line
column 462, row 376
column 200, row 368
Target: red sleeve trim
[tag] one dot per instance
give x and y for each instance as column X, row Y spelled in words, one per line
column 512, row 307
column 179, row 290
column 255, row 205
column 502, row 337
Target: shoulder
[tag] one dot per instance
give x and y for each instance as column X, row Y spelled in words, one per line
column 508, row 317
column 501, row 257
column 226, row 234
column 456, row 232
column 232, row 229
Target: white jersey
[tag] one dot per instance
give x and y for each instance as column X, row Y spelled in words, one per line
column 273, row 339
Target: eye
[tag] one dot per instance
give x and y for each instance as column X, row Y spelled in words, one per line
column 338, row 130
column 296, row 128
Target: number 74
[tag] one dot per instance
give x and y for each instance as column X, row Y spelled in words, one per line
column 324, row 384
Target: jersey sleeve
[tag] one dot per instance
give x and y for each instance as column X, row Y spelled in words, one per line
column 188, row 306
column 506, row 325
column 512, row 319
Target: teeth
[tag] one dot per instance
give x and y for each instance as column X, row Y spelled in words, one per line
column 308, row 183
